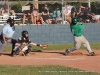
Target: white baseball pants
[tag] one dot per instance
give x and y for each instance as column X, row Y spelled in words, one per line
column 77, row 43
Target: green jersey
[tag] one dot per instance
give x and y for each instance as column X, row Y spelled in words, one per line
column 76, row 29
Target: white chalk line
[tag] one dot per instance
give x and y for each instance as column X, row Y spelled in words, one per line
column 57, row 58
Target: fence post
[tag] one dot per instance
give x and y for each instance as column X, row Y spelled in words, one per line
column 62, row 13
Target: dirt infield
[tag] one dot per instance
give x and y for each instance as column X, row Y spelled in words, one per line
column 76, row 59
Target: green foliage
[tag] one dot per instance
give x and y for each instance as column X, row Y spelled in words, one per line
column 20, row 0
column 95, row 7
column 17, row 7
column 42, row 70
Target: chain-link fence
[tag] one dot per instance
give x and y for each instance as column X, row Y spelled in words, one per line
column 49, row 12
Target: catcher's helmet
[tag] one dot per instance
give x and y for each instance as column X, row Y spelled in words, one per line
column 74, row 20
column 24, row 33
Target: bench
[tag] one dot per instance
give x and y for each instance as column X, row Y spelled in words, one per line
column 4, row 20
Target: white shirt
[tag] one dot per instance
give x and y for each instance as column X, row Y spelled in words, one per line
column 96, row 17
column 67, row 10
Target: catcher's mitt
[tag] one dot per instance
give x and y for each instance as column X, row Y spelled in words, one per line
column 44, row 46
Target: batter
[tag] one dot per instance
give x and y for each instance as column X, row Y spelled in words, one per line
column 79, row 39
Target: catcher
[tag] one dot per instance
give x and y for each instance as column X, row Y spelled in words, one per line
column 24, row 45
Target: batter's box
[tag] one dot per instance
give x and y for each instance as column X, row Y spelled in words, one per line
column 78, row 53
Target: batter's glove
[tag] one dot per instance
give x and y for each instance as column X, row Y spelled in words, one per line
column 43, row 46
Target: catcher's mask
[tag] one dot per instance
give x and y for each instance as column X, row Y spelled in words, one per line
column 74, row 20
column 11, row 22
column 25, row 34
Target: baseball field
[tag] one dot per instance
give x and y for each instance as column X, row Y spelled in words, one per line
column 51, row 61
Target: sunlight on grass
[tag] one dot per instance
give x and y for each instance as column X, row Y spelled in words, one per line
column 42, row 70
column 59, row 47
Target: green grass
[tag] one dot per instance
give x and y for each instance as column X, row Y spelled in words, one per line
column 42, row 70
column 60, row 47
column 65, row 46
column 46, row 70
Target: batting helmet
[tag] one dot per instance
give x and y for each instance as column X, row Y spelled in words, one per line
column 74, row 20
column 24, row 33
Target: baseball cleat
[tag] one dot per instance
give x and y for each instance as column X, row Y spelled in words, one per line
column 66, row 52
column 91, row 54
column 14, row 54
column 23, row 54
column 27, row 54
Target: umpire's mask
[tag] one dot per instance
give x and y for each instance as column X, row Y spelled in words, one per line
column 11, row 21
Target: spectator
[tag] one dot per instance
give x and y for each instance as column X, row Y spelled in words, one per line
column 96, row 18
column 0, row 10
column 35, row 15
column 28, row 13
column 45, row 15
column 88, row 14
column 35, row 7
column 6, row 10
column 68, row 13
column 56, row 15
column 39, row 20
column 80, row 13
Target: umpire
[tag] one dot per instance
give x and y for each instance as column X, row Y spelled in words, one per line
column 7, row 34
